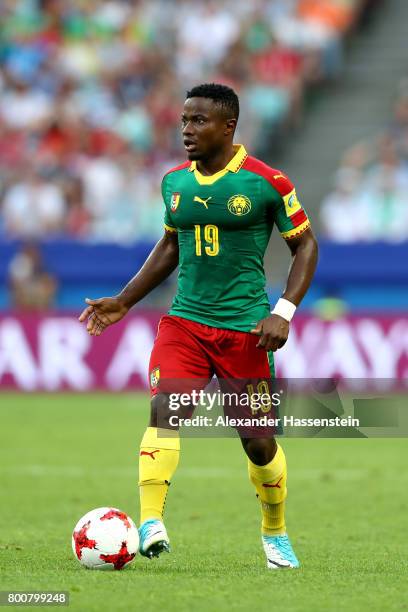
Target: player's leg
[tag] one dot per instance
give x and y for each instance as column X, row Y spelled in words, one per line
column 158, row 460
column 268, row 473
column 266, row 459
column 176, row 362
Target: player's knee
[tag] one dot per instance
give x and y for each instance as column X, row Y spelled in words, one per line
column 160, row 411
column 260, row 450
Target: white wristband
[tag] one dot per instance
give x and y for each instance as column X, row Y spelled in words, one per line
column 284, row 309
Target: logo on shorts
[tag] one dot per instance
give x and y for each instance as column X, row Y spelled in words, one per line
column 175, row 201
column 154, row 377
column 239, row 205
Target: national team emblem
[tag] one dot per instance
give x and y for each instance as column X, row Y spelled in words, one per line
column 154, row 377
column 175, row 201
column 239, row 205
column 292, row 204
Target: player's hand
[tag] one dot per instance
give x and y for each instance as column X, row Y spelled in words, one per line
column 101, row 313
column 274, row 332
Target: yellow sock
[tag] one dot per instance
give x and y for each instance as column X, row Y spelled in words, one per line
column 270, row 485
column 159, row 456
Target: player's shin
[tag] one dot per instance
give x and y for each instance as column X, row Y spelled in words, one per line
column 159, row 456
column 270, row 484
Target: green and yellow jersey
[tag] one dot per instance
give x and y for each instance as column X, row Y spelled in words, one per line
column 224, row 222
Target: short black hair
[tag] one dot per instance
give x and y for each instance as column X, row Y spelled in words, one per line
column 220, row 94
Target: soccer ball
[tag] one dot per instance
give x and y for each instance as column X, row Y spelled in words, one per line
column 105, row 538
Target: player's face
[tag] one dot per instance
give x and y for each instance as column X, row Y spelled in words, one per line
column 205, row 128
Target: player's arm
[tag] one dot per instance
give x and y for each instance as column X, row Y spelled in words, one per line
column 162, row 261
column 293, row 223
column 274, row 330
column 304, row 260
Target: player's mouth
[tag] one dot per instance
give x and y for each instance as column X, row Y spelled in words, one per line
column 190, row 146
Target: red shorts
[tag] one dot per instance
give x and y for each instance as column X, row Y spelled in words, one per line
column 185, row 349
column 186, row 355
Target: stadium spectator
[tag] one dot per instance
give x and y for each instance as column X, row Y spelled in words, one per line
column 340, row 206
column 23, row 107
column 34, row 207
column 78, row 216
column 31, row 286
column 398, row 128
column 369, row 201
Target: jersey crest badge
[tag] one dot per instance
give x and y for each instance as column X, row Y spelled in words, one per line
column 292, row 204
column 154, row 377
column 239, row 205
column 175, row 201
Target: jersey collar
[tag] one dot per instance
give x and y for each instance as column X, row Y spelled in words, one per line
column 234, row 165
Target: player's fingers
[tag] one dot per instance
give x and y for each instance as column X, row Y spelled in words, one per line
column 282, row 343
column 274, row 345
column 262, row 341
column 102, row 318
column 93, row 324
column 92, row 319
column 258, row 329
column 85, row 314
column 90, row 329
column 99, row 329
column 93, row 302
column 270, row 343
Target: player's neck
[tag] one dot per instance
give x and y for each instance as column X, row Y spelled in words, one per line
column 216, row 162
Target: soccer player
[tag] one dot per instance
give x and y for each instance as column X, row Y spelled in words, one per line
column 220, row 207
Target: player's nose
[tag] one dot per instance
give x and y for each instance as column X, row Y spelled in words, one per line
column 188, row 129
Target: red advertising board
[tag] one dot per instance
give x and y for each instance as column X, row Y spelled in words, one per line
column 54, row 352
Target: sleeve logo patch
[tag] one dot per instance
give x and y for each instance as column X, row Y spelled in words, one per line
column 292, row 204
column 175, row 201
column 239, row 205
column 154, row 377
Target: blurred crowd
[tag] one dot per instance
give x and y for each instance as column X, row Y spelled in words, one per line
column 31, row 285
column 369, row 200
column 91, row 94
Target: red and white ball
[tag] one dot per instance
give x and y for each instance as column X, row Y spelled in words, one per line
column 105, row 538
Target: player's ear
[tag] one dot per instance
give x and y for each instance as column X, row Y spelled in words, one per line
column 230, row 126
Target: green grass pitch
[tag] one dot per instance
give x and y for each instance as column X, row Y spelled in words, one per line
column 62, row 455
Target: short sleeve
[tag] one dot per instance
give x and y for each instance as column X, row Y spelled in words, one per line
column 289, row 215
column 168, row 223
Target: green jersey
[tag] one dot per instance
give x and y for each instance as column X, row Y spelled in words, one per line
column 224, row 222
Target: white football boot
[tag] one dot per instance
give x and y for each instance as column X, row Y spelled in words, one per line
column 279, row 552
column 153, row 538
